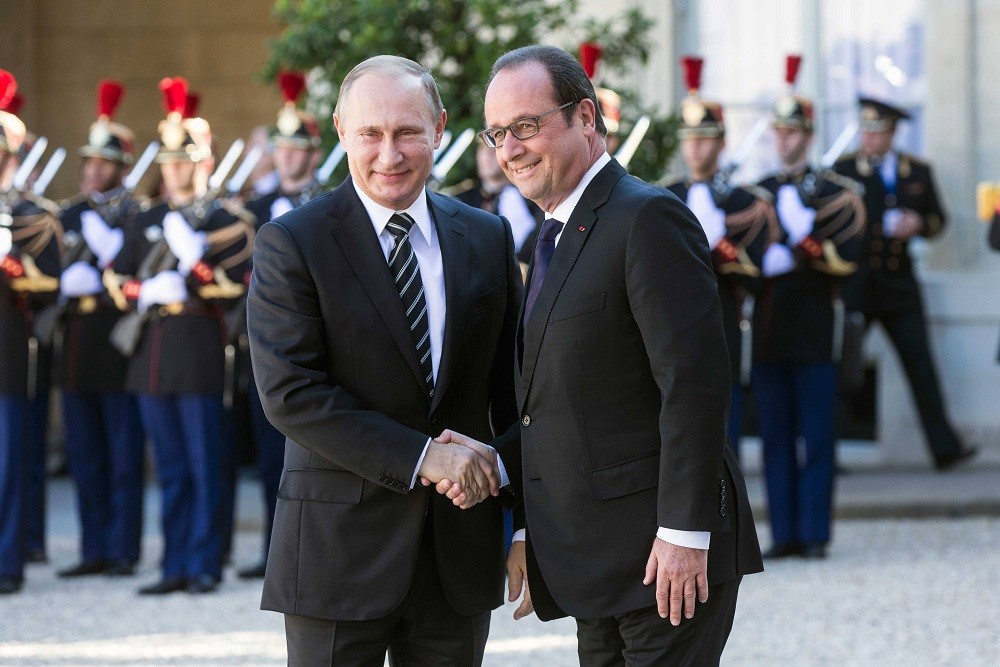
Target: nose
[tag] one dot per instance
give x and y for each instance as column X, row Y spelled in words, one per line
column 512, row 147
column 388, row 152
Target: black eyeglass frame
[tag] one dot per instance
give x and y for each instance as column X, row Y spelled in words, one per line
column 488, row 138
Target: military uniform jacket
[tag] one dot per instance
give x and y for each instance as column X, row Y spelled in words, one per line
column 794, row 320
column 184, row 353
column 751, row 225
column 33, row 231
column 88, row 362
column 477, row 198
column 884, row 282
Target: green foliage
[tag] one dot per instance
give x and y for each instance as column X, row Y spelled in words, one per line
column 459, row 40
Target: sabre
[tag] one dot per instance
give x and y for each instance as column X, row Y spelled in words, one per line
column 325, row 170
column 839, row 145
column 243, row 173
column 232, row 155
column 720, row 182
column 445, row 140
column 454, row 152
column 49, row 172
column 131, row 181
column 30, row 161
column 631, row 145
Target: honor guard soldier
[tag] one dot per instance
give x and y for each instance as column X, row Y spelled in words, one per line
column 822, row 222
column 295, row 144
column 103, row 433
column 29, row 266
column 902, row 202
column 738, row 222
column 186, row 258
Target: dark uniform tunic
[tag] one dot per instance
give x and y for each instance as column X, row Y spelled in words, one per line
column 886, row 290
column 794, row 372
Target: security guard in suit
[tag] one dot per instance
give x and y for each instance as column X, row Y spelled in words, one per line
column 29, row 264
column 186, row 259
column 901, row 202
column 103, row 433
column 738, row 222
column 798, row 323
column 295, row 141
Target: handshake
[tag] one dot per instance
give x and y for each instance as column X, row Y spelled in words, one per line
column 463, row 469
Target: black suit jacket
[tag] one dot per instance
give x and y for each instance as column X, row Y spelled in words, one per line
column 338, row 375
column 623, row 386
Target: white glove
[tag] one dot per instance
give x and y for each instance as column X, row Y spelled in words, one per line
column 187, row 245
column 102, row 239
column 512, row 205
column 711, row 217
column 80, row 279
column 280, row 206
column 778, row 259
column 6, row 242
column 163, row 288
column 795, row 217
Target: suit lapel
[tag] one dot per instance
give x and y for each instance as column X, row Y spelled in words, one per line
column 457, row 260
column 575, row 234
column 356, row 236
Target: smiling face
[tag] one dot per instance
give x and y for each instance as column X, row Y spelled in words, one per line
column 389, row 131
column 547, row 167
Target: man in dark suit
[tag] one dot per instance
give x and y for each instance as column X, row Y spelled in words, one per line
column 901, row 202
column 380, row 314
column 623, row 384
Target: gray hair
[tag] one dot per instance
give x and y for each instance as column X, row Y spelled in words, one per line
column 392, row 65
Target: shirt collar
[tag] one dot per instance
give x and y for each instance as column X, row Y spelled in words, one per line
column 379, row 215
column 564, row 210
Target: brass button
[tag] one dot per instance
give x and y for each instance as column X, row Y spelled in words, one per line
column 526, row 421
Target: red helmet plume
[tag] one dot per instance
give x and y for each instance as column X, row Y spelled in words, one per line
column 8, row 87
column 109, row 96
column 692, row 72
column 174, row 94
column 292, row 84
column 590, row 54
column 792, row 64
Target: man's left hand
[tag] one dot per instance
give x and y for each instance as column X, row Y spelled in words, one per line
column 680, row 573
column 909, row 225
column 453, row 490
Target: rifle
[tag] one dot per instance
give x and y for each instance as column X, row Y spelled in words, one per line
column 721, row 189
column 452, row 155
column 631, row 144
column 42, row 184
column 49, row 319
column 810, row 185
column 127, row 332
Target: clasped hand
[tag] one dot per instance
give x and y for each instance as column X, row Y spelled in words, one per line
column 461, row 468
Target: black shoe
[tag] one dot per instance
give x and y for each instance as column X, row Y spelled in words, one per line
column 949, row 461
column 255, row 572
column 10, row 585
column 202, row 584
column 122, row 568
column 814, row 550
column 84, row 569
column 782, row 550
column 36, row 556
column 164, row 587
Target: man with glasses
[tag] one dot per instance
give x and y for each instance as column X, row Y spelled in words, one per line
column 636, row 516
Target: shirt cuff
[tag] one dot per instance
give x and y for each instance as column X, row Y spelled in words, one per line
column 420, row 461
column 519, row 535
column 692, row 539
column 504, row 479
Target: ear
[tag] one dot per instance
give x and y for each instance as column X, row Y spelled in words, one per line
column 340, row 130
column 587, row 112
column 439, row 128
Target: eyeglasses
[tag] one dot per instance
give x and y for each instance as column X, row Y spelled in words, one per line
column 522, row 128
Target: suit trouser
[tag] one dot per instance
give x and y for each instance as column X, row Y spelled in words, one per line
column 797, row 399
column 13, row 411
column 34, row 453
column 642, row 638
column 104, row 448
column 908, row 333
column 186, row 432
column 423, row 630
column 270, row 459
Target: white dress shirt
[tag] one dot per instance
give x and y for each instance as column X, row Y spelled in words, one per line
column 428, row 251
column 695, row 539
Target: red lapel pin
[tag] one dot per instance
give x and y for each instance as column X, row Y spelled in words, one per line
column 582, row 228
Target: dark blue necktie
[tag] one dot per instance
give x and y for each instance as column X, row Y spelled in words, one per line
column 406, row 274
column 544, row 247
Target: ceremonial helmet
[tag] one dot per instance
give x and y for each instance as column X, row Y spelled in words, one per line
column 106, row 139
column 295, row 128
column 791, row 110
column 879, row 116
column 699, row 118
column 12, row 130
column 610, row 101
column 183, row 136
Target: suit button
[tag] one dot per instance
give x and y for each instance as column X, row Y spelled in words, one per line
column 722, row 511
column 526, row 420
column 382, row 478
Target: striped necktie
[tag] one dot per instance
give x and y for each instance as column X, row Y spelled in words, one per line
column 406, row 274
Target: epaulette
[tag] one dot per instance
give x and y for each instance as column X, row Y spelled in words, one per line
column 147, row 203
column 913, row 159
column 458, row 188
column 845, row 183
column 671, row 179
column 847, row 157
column 759, row 192
column 76, row 199
column 237, row 210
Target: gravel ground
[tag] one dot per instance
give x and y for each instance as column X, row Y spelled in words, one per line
column 898, row 592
